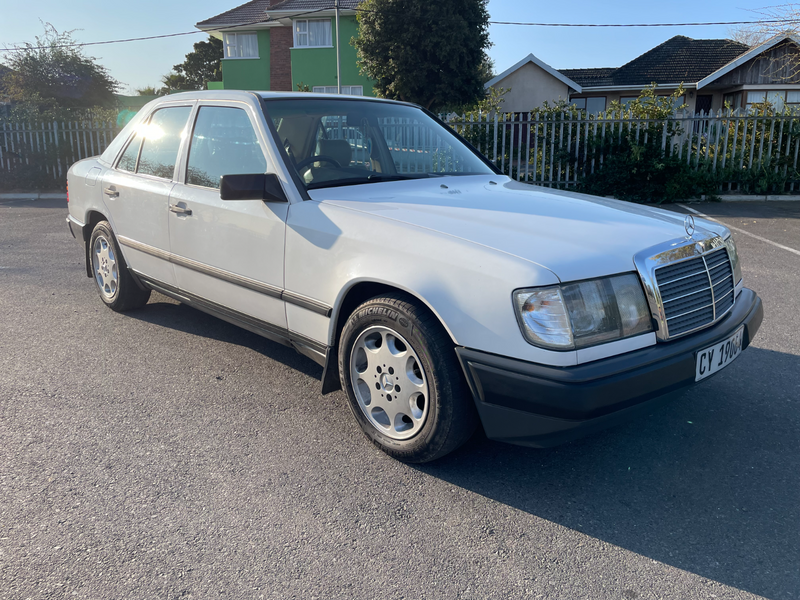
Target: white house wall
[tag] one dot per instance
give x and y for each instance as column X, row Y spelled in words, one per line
column 530, row 87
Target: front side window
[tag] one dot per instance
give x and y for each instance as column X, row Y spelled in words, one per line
column 161, row 140
column 313, row 33
column 335, row 142
column 223, row 143
column 241, row 45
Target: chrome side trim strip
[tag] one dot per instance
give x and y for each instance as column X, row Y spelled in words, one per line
column 307, row 303
column 146, row 248
column 245, row 282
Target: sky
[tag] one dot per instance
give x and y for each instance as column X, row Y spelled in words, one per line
column 141, row 64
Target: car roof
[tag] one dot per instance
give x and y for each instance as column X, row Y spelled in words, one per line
column 244, row 94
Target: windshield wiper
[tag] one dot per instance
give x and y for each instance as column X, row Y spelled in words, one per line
column 374, row 178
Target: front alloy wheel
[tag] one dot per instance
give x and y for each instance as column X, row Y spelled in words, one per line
column 406, row 389
column 390, row 383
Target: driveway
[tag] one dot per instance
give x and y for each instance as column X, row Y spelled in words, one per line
column 166, row 454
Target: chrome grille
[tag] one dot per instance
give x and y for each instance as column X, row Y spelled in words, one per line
column 696, row 292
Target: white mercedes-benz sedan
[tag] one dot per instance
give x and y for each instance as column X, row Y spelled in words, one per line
column 437, row 292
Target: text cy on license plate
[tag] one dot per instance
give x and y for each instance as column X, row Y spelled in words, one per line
column 718, row 356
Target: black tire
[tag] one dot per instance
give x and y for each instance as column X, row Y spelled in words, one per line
column 448, row 416
column 114, row 283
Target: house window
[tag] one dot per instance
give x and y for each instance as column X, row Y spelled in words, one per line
column 733, row 100
column 776, row 98
column 595, row 105
column 241, row 45
column 592, row 106
column 313, row 33
column 625, row 100
column 349, row 90
column 677, row 103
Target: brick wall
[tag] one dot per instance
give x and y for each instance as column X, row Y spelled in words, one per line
column 280, row 59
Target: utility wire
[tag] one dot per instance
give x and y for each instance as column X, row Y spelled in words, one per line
column 787, row 21
column 156, row 37
column 517, row 23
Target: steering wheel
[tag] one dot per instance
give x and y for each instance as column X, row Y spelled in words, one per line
column 318, row 158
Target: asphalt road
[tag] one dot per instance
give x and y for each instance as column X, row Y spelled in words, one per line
column 166, row 454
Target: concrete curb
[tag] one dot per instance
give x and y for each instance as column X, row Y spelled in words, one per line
column 34, row 196
column 759, row 198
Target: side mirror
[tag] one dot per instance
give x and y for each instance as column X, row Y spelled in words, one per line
column 252, row 186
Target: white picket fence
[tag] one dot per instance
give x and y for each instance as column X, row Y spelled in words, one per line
column 547, row 149
column 52, row 146
column 558, row 149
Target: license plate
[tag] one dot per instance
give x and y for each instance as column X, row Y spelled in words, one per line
column 718, row 356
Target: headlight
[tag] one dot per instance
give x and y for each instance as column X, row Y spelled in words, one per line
column 577, row 315
column 734, row 256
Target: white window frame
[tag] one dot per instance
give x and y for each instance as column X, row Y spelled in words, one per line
column 347, row 90
column 298, row 36
column 231, row 40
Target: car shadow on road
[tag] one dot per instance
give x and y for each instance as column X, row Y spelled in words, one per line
column 168, row 313
column 708, row 483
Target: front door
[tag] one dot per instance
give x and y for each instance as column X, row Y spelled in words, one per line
column 703, row 104
column 227, row 252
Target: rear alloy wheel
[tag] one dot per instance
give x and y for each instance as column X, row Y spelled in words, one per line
column 116, row 286
column 403, row 381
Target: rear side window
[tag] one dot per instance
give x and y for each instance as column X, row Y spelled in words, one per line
column 223, row 143
column 162, row 136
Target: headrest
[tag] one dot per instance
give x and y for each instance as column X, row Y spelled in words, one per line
column 338, row 150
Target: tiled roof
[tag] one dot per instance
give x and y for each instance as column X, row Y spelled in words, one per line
column 590, row 77
column 678, row 60
column 256, row 11
column 315, row 4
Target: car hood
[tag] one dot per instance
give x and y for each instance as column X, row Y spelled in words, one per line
column 574, row 235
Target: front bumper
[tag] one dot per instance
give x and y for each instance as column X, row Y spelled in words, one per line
column 537, row 405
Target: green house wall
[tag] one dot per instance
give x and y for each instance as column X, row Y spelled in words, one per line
column 310, row 66
column 317, row 66
column 248, row 73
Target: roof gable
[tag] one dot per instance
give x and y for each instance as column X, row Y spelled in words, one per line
column 746, row 57
column 539, row 63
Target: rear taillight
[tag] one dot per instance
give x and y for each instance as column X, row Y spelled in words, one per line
column 67, row 190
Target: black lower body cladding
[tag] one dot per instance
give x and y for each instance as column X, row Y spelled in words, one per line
column 541, row 406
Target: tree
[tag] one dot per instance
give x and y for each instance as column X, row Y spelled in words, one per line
column 174, row 82
column 202, row 65
column 53, row 72
column 430, row 53
column 148, row 91
column 772, row 21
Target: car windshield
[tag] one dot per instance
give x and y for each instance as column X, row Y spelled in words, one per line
column 334, row 142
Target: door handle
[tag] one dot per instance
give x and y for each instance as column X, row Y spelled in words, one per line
column 111, row 192
column 179, row 210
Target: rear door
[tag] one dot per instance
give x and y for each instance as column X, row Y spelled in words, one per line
column 228, row 252
column 137, row 191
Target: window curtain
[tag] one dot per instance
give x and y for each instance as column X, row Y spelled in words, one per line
column 319, row 33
